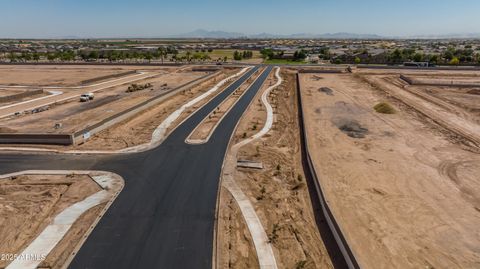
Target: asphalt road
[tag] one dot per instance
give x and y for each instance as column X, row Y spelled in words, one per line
column 165, row 215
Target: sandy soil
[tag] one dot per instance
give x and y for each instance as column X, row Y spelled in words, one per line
column 51, row 76
column 466, row 98
column 278, row 192
column 235, row 247
column 8, row 92
column 203, row 131
column 75, row 115
column 28, row 203
column 420, row 73
column 404, row 190
column 449, row 116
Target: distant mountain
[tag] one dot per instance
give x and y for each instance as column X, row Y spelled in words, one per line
column 349, row 36
column 201, row 33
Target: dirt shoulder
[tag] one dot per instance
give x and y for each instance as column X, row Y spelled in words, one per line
column 278, row 191
column 404, row 190
column 28, row 203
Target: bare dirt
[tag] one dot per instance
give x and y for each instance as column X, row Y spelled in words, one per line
column 8, row 92
column 278, row 192
column 406, row 194
column 138, row 129
column 74, row 115
column 234, row 242
column 51, row 75
column 448, row 115
column 28, row 203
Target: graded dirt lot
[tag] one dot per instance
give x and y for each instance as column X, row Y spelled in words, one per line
column 28, row 203
column 456, row 119
column 8, row 92
column 278, row 192
column 403, row 187
column 74, row 115
column 138, row 129
column 52, row 75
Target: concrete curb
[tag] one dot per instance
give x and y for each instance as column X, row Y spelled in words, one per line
column 136, row 77
column 265, row 254
column 158, row 134
column 188, row 140
column 45, row 242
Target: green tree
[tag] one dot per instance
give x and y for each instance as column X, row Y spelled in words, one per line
column 396, row 56
column 267, row 53
column 51, row 56
column 162, row 53
column 148, row 56
column 357, row 60
column 237, row 56
column 299, row 55
column 433, row 59
column 418, row 57
column 93, row 55
column 12, row 56
column 454, row 61
column 36, row 56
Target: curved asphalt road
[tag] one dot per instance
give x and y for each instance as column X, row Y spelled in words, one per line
column 165, row 215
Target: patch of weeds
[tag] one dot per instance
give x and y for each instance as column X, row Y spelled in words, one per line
column 384, row 108
column 300, row 264
column 273, row 236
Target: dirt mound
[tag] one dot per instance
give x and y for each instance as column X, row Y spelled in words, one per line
column 352, row 128
column 326, row 90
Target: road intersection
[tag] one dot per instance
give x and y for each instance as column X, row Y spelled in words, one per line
column 165, row 215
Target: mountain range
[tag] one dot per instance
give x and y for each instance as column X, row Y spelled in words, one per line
column 201, row 33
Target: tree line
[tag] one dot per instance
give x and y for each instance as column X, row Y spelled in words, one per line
column 93, row 55
column 238, row 56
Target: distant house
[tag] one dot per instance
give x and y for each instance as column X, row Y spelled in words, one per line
column 288, row 55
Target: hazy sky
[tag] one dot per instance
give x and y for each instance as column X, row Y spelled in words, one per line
column 149, row 18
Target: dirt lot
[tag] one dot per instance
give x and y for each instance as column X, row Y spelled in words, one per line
column 28, row 203
column 8, row 92
column 404, row 189
column 42, row 75
column 465, row 98
column 138, row 130
column 74, row 115
column 450, row 116
column 278, row 192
